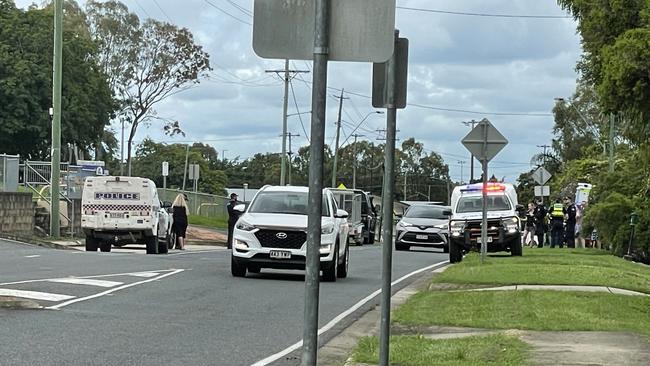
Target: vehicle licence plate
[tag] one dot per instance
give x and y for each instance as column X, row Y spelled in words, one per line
column 489, row 239
column 117, row 215
column 422, row 237
column 279, row 254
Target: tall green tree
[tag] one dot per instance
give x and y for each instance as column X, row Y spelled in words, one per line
column 26, row 47
column 145, row 62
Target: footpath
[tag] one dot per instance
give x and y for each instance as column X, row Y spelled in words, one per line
column 549, row 307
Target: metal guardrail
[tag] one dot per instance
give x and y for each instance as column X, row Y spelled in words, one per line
column 202, row 204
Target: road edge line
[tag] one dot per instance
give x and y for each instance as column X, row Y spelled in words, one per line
column 276, row 356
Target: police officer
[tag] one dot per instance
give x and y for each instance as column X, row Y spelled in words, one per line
column 570, row 213
column 233, row 216
column 539, row 213
column 557, row 224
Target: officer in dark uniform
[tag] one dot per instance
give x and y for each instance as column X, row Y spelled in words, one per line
column 570, row 212
column 233, row 216
column 557, row 224
column 539, row 213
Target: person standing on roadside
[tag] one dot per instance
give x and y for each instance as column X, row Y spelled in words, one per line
column 233, row 216
column 557, row 224
column 539, row 213
column 179, row 214
column 530, row 232
column 570, row 213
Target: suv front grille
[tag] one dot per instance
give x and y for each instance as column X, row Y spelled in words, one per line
column 274, row 238
column 474, row 228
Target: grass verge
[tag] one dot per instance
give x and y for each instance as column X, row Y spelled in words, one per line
column 551, row 267
column 495, row 349
column 533, row 310
column 220, row 222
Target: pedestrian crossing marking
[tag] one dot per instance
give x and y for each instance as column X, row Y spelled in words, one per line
column 34, row 295
column 86, row 281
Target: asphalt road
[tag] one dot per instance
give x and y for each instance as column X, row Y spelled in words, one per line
column 178, row 309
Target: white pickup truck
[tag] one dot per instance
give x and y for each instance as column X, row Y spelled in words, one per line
column 124, row 210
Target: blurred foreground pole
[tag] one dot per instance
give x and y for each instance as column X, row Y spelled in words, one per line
column 56, row 121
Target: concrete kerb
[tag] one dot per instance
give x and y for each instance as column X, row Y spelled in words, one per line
column 37, row 241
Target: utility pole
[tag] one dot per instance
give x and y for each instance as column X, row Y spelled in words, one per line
column 290, row 153
column 338, row 135
column 354, row 164
column 545, row 147
column 56, row 120
column 187, row 156
column 287, row 76
column 223, row 157
column 462, row 163
column 471, row 123
column 404, row 185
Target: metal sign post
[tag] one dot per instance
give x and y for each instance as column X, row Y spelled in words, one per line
column 165, row 173
column 484, row 142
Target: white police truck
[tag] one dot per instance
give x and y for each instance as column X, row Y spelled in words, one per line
column 503, row 223
column 124, row 210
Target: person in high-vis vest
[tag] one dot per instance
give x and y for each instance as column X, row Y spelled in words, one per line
column 557, row 224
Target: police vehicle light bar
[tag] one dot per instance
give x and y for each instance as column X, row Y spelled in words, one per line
column 478, row 187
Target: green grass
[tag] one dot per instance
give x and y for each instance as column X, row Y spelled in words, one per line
column 418, row 351
column 533, row 310
column 551, row 267
column 220, row 222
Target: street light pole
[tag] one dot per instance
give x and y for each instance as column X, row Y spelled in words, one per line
column 462, row 163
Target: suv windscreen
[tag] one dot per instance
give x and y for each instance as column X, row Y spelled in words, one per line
column 294, row 203
column 475, row 204
column 426, row 212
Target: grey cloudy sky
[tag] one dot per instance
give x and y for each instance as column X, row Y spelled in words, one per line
column 488, row 65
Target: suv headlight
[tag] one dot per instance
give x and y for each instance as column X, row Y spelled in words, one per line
column 456, row 228
column 326, row 230
column 243, row 225
column 441, row 226
column 403, row 223
column 511, row 224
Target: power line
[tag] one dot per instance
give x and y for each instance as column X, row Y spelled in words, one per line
column 143, row 9
column 163, row 11
column 485, row 14
column 228, row 14
column 240, row 8
column 295, row 101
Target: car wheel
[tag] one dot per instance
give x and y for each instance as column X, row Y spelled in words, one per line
column 345, row 264
column 515, row 247
column 455, row 252
column 91, row 244
column 371, row 238
column 171, row 240
column 330, row 271
column 163, row 246
column 237, row 269
column 105, row 247
column 152, row 244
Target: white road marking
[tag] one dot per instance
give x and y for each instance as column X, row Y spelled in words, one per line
column 107, row 292
column 143, row 274
column 342, row 316
column 86, row 281
column 32, row 256
column 198, row 252
column 34, row 295
column 155, row 273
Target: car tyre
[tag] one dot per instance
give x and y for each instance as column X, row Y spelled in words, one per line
column 91, row 244
column 237, row 270
column 515, row 247
column 163, row 246
column 152, row 244
column 345, row 264
column 330, row 271
column 105, row 247
column 371, row 238
column 455, row 252
column 171, row 240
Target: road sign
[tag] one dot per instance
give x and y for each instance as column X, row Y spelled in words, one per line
column 193, row 172
column 484, row 141
column 165, row 169
column 542, row 191
column 380, row 77
column 360, row 30
column 541, row 175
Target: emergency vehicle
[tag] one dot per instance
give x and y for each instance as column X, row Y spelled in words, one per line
column 124, row 210
column 503, row 229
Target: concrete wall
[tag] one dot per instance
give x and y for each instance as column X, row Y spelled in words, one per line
column 16, row 213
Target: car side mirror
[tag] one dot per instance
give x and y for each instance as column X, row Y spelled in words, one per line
column 399, row 215
column 241, row 208
column 446, row 213
column 520, row 208
column 166, row 204
column 341, row 214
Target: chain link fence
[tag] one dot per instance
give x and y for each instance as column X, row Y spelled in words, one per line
column 200, row 204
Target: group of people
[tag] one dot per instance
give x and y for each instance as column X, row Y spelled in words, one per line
column 561, row 220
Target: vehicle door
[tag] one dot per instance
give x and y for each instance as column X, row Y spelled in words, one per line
column 342, row 224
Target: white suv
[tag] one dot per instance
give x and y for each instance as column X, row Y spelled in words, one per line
column 272, row 233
